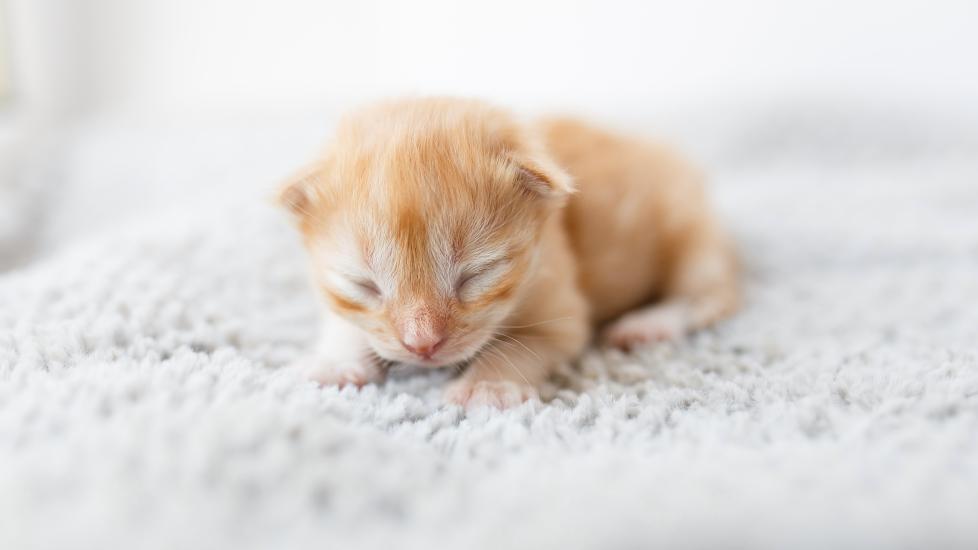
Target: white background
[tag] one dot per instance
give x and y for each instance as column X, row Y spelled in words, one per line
column 218, row 56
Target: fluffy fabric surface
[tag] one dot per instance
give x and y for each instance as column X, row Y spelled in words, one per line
column 143, row 403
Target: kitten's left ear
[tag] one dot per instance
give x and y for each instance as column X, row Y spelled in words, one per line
column 297, row 192
column 545, row 179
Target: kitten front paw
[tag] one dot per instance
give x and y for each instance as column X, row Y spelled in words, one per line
column 357, row 373
column 500, row 394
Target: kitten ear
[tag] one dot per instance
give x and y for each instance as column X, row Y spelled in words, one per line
column 546, row 180
column 297, row 192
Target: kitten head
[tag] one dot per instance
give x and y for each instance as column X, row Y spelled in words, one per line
column 423, row 222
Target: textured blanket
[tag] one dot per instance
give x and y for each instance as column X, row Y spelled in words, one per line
column 144, row 403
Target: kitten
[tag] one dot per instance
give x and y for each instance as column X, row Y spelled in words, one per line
column 445, row 232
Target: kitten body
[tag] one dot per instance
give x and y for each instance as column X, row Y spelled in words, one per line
column 447, row 232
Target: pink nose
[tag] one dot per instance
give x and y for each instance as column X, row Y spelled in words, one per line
column 423, row 346
column 422, row 332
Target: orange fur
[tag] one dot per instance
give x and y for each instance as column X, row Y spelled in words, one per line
column 449, row 232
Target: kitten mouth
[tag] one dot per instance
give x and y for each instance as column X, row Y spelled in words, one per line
column 442, row 359
column 439, row 362
column 453, row 360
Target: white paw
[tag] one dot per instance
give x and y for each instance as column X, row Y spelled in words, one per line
column 342, row 373
column 500, row 394
column 655, row 324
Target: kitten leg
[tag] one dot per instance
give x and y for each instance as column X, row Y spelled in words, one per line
column 509, row 369
column 702, row 290
column 342, row 357
column 499, row 377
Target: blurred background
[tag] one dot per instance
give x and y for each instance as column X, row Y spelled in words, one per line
column 114, row 106
column 78, row 57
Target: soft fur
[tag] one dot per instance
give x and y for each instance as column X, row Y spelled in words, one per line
column 445, row 232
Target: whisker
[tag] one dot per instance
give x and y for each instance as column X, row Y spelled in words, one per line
column 509, row 345
column 513, row 365
column 524, row 346
column 495, row 368
column 536, row 324
column 541, row 336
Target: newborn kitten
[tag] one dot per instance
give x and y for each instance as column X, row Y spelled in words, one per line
column 446, row 232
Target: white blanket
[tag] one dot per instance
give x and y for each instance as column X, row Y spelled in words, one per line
column 143, row 403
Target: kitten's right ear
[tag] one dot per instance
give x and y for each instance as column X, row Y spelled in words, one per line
column 545, row 179
column 297, row 193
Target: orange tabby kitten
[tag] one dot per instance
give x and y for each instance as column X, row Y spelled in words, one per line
column 446, row 232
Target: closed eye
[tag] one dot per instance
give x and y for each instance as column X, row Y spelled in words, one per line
column 476, row 275
column 356, row 286
column 465, row 278
column 368, row 286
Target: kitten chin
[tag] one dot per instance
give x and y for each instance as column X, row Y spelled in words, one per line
column 446, row 231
